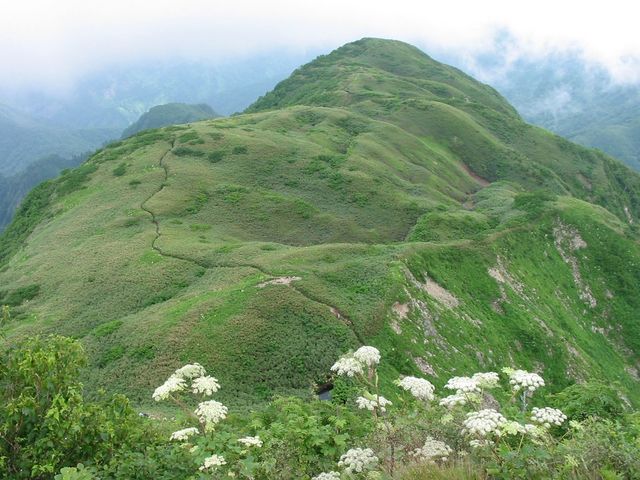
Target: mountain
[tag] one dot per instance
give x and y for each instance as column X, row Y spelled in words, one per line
column 117, row 95
column 15, row 187
column 25, row 140
column 169, row 114
column 576, row 99
column 376, row 196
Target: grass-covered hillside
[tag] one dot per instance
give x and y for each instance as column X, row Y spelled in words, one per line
column 169, row 114
column 374, row 197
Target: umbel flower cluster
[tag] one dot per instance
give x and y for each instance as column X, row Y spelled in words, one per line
column 485, row 427
column 418, row 387
column 484, row 422
column 547, row 416
column 208, row 412
column 433, row 450
column 358, row 460
column 365, row 358
column 177, row 382
column 522, row 380
column 372, row 402
column 327, row 476
column 463, row 385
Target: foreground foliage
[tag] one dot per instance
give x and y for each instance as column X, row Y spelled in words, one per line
column 485, row 426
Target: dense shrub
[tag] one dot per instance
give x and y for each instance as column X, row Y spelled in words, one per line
column 592, row 399
column 45, row 424
column 120, row 170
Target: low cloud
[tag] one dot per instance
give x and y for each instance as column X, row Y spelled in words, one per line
column 49, row 45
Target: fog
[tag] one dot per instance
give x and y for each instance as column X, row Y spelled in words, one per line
column 48, row 46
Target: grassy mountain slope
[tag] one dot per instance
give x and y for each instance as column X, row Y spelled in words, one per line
column 169, row 114
column 575, row 99
column 376, row 196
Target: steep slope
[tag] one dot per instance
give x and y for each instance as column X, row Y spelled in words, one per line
column 13, row 188
column 169, row 114
column 377, row 197
column 396, row 82
column 575, row 99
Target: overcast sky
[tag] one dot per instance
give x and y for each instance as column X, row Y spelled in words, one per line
column 51, row 43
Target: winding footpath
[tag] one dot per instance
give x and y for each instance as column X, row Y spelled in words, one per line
column 154, row 245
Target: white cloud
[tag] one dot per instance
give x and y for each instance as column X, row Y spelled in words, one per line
column 53, row 42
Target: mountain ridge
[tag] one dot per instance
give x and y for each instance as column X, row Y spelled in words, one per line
column 446, row 232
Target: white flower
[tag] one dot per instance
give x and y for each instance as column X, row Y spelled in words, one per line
column 205, row 385
column 173, row 384
column 547, row 416
column 486, row 379
column 327, row 476
column 212, row 462
column 418, row 387
column 190, row 371
column 348, row 366
column 478, row 443
column 484, row 422
column 371, row 404
column 433, row 450
column 453, row 400
column 251, row 441
column 210, row 413
column 357, row 460
column 184, row 434
column 463, row 385
column 368, row 356
column 523, row 380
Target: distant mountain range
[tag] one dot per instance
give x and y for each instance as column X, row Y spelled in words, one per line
column 570, row 96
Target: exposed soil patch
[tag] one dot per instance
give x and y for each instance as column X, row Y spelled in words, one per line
column 401, row 310
column 502, row 276
column 567, row 241
column 424, row 366
column 440, row 294
column 279, row 281
column 475, row 176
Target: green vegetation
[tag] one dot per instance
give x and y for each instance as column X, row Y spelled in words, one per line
column 376, row 196
column 414, row 431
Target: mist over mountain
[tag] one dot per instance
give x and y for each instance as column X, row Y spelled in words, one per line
column 25, row 139
column 569, row 95
column 43, row 133
column 116, row 96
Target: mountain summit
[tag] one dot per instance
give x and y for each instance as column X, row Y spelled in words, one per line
column 375, row 196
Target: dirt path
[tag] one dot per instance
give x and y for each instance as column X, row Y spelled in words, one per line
column 273, row 279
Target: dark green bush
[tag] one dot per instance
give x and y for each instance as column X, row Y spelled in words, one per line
column 45, row 423
column 187, row 152
column 592, row 399
column 120, row 170
column 215, row 157
column 19, row 295
column 239, row 149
